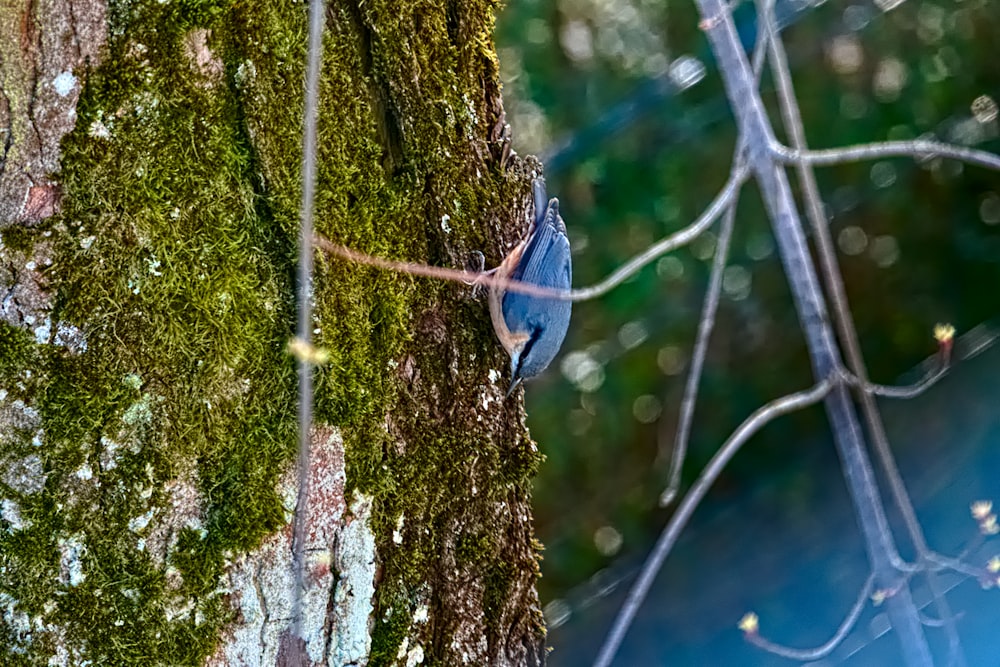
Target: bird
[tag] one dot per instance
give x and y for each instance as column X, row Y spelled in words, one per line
column 530, row 328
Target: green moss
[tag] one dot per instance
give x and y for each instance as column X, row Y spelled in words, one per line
column 185, row 14
column 18, row 238
column 499, row 581
column 16, row 349
column 390, row 629
column 473, row 548
column 198, row 561
column 131, row 621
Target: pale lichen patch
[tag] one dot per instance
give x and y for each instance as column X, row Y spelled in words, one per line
column 353, row 607
column 10, row 512
column 71, row 552
column 64, row 83
column 24, row 474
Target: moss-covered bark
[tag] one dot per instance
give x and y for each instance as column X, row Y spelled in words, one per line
column 148, row 407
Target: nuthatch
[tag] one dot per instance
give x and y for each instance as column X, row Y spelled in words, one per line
column 532, row 328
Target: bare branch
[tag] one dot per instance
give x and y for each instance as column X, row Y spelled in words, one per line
column 711, row 472
column 833, row 282
column 706, row 322
column 317, row 9
column 910, row 391
column 705, row 325
column 726, row 195
column 956, row 565
column 754, row 125
column 438, row 272
column 828, row 647
column 967, row 346
column 680, row 238
column 918, row 149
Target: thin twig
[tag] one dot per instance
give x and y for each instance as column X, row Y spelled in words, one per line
column 723, row 199
column 909, row 391
column 706, row 323
column 438, row 272
column 918, row 149
column 620, row 275
column 304, row 325
column 827, row 647
column 956, row 565
column 672, row 530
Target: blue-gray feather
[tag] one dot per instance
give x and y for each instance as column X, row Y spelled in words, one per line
column 541, row 199
column 546, row 262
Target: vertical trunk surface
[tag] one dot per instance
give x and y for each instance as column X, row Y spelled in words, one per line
column 149, row 186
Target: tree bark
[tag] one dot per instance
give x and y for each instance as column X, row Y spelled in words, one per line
column 148, row 209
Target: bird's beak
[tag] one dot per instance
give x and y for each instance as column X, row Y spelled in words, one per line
column 513, row 386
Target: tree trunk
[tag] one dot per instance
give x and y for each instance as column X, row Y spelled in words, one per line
column 148, row 207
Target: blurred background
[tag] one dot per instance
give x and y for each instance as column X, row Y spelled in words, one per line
column 621, row 100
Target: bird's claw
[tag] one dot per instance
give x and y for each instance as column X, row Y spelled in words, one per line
column 476, row 267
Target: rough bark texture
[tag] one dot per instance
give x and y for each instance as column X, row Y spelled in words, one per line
column 148, row 211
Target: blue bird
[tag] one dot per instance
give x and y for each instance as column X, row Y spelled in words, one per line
column 530, row 328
